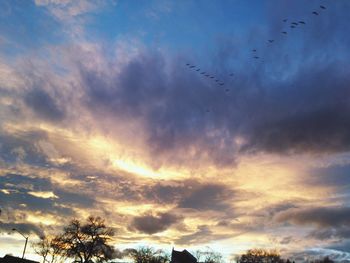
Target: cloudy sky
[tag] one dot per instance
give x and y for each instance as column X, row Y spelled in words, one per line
column 100, row 115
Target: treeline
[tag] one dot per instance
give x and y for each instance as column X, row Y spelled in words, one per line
column 89, row 242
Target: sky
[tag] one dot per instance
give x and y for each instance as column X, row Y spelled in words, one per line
column 105, row 110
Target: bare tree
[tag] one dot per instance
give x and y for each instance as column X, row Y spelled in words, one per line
column 49, row 248
column 324, row 260
column 148, row 255
column 257, row 255
column 42, row 247
column 208, row 256
column 87, row 242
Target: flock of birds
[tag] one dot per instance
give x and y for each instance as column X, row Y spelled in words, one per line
column 220, row 82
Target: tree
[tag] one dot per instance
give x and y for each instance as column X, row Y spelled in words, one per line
column 324, row 260
column 148, row 255
column 260, row 256
column 87, row 242
column 49, row 248
column 208, row 256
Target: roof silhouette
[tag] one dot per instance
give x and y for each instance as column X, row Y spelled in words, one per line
column 182, row 257
column 12, row 259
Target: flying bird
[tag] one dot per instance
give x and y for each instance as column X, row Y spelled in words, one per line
column 284, row 32
column 323, row 7
column 187, row 64
column 315, row 13
column 302, row 22
column 221, row 84
column 192, row 66
column 292, row 26
column 254, row 50
column 271, row 40
column 211, row 77
column 256, row 57
column 198, row 69
column 285, row 20
column 295, row 23
column 216, row 80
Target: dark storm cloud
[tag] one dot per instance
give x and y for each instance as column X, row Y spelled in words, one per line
column 21, row 146
column 151, row 224
column 25, row 228
column 171, row 191
column 15, row 182
column 20, row 190
column 320, row 130
column 173, row 104
column 335, row 175
column 43, row 105
column 294, row 102
column 208, row 197
column 322, row 217
column 21, row 199
column 270, row 211
column 342, row 232
column 286, row 240
column 75, row 198
column 319, row 253
column 202, row 235
column 343, row 246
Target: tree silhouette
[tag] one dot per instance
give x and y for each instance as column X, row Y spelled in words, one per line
column 49, row 248
column 324, row 260
column 260, row 256
column 87, row 242
column 148, row 255
column 208, row 256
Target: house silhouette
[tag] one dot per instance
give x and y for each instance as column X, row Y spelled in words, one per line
column 11, row 259
column 182, row 257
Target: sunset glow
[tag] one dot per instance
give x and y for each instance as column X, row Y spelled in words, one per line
column 186, row 124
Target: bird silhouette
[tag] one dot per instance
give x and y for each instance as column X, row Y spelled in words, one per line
column 254, row 50
column 271, row 40
column 256, row 57
column 295, row 23
column 292, row 26
column 284, row 32
column 322, row 7
column 302, row 22
column 192, row 66
column 315, row 13
column 211, row 77
column 285, row 20
column 198, row 69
